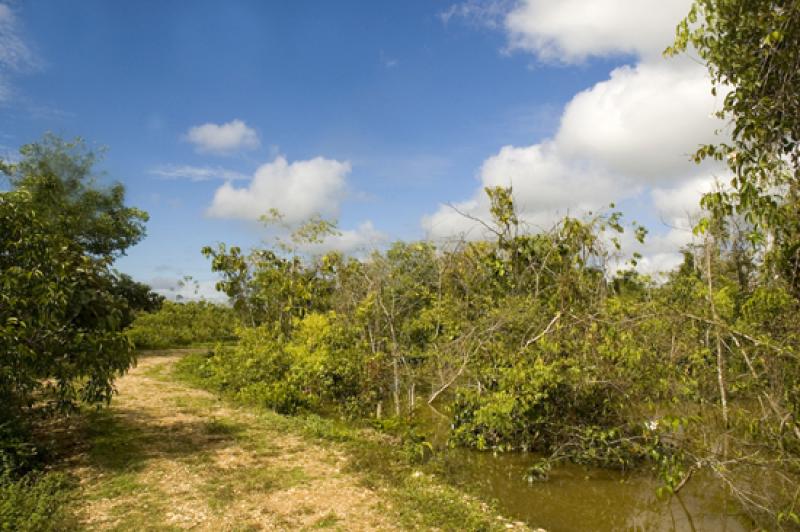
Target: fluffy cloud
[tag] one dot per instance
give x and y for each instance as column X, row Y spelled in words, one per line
column 546, row 186
column 571, row 30
column 358, row 242
column 644, row 121
column 223, row 138
column 679, row 206
column 616, row 139
column 298, row 190
column 629, row 136
column 196, row 173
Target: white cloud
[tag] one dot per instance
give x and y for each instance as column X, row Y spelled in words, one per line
column 629, row 136
column 223, row 138
column 679, row 206
column 570, row 31
column 546, row 186
column 359, row 241
column 615, row 139
column 173, row 289
column 197, row 173
column 644, row 121
column 15, row 55
column 298, row 190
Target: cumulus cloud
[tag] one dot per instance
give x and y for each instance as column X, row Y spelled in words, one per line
column 546, row 186
column 299, row 190
column 197, row 173
column 223, row 138
column 644, row 121
column 628, row 136
column 679, row 206
column 570, row 31
column 616, row 139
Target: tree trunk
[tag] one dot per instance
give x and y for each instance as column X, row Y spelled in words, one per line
column 396, row 386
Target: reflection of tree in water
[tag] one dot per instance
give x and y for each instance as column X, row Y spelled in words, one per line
column 579, row 498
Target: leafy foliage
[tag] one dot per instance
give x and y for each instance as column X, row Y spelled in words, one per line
column 60, row 318
column 537, row 342
column 62, row 310
column 183, row 324
column 35, row 503
column 752, row 49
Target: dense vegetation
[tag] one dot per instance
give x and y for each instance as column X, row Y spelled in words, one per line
column 531, row 342
column 62, row 310
column 538, row 342
column 183, row 324
column 528, row 341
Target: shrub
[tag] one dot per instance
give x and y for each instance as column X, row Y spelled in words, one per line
column 36, row 502
column 183, row 324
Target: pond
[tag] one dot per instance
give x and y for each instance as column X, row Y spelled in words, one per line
column 582, row 498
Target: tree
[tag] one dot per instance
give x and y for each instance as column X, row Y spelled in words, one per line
column 62, row 308
column 752, row 50
column 63, row 189
column 60, row 320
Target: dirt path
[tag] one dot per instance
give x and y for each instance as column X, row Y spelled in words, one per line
column 167, row 456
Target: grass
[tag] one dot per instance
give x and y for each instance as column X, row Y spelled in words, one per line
column 37, row 502
column 328, row 521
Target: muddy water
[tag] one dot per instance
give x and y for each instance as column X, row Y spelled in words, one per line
column 576, row 498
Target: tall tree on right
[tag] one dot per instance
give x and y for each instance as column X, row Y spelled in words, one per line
column 752, row 50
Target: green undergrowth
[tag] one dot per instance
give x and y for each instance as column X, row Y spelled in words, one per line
column 37, row 501
column 387, row 464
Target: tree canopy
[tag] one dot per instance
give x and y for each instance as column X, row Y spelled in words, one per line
column 59, row 177
column 752, row 50
column 62, row 306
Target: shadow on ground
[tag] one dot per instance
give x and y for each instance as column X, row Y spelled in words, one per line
column 124, row 440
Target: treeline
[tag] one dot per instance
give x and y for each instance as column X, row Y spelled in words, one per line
column 187, row 324
column 535, row 342
column 532, row 342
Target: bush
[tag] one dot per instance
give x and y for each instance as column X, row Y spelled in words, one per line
column 319, row 367
column 37, row 502
column 183, row 324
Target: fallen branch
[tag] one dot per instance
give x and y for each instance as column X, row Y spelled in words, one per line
column 544, row 332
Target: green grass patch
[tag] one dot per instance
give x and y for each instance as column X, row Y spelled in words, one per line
column 329, row 520
column 37, row 502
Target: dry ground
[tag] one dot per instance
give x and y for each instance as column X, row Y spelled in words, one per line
column 167, row 456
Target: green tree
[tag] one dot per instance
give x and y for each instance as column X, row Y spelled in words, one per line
column 752, row 50
column 64, row 190
column 62, row 307
column 60, row 320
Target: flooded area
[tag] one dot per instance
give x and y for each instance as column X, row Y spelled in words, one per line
column 582, row 498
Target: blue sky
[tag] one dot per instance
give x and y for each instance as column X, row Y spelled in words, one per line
column 381, row 112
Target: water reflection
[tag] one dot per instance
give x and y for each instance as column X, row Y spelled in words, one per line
column 579, row 498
